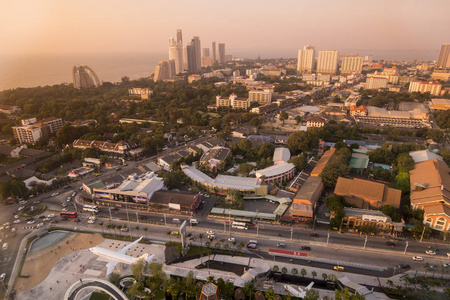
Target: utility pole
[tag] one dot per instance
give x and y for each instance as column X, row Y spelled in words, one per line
column 292, row 232
column 165, row 220
column 110, row 215
column 257, row 230
column 128, row 218
column 328, row 237
column 406, row 247
column 137, row 217
column 423, row 231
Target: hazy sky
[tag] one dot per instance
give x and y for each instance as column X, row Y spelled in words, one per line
column 248, row 27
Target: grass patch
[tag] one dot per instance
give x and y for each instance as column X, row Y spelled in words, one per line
column 99, row 296
column 38, row 209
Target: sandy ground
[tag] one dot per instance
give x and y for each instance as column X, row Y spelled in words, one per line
column 38, row 265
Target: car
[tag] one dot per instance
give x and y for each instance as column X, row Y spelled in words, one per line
column 305, row 248
column 40, row 225
column 63, row 204
column 46, row 219
column 41, row 217
column 404, row 267
column 390, row 244
column 30, row 222
column 2, row 277
column 432, row 267
column 36, row 202
column 418, row 258
column 313, row 234
column 17, row 221
column 251, row 245
column 68, row 199
column 51, row 216
column 210, row 232
column 23, row 202
column 430, row 252
column 338, row 268
column 73, row 194
column 92, row 218
column 20, row 208
column 64, row 209
column 174, row 233
column 231, row 239
column 31, row 196
column 91, row 221
column 13, row 230
column 281, row 245
column 124, row 229
column 55, row 194
column 446, row 265
column 16, row 216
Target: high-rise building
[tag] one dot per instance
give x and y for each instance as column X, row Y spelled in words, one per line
column 375, row 83
column 433, row 87
column 179, row 36
column 205, row 52
column 189, row 58
column 176, row 53
column 352, row 65
column 195, row 43
column 305, row 64
column 221, row 53
column 444, row 56
column 31, row 131
column 327, row 62
column 165, row 70
column 84, row 77
column 261, row 96
column 214, row 52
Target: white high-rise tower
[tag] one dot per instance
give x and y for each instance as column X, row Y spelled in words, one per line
column 305, row 63
column 327, row 62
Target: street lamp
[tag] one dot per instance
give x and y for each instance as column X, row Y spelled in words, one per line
column 137, row 217
column 292, row 232
column 406, row 247
column 365, row 241
column 165, row 220
column 328, row 237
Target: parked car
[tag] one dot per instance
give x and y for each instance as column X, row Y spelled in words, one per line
column 2, row 277
column 20, row 208
column 390, row 244
column 305, row 248
column 55, row 194
column 16, row 216
column 73, row 194
column 430, row 252
column 338, row 268
column 68, row 199
column 231, row 239
column 91, row 221
column 313, row 234
column 23, row 202
column 281, row 245
column 210, row 232
column 446, row 265
column 418, row 258
column 404, row 267
column 17, row 221
column 30, row 222
column 51, row 216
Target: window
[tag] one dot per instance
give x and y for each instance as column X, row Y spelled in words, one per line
column 429, row 222
column 440, row 224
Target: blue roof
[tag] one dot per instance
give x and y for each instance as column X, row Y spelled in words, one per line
column 386, row 167
column 359, row 143
column 373, row 146
column 329, row 144
column 264, row 138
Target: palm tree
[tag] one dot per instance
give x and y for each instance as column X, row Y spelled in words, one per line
column 303, row 272
column 275, row 268
column 294, row 271
column 145, row 230
column 201, row 237
column 234, row 244
column 119, row 227
column 137, row 228
column 284, row 270
column 217, row 245
column 208, row 244
column 324, row 276
column 314, row 274
column 169, row 234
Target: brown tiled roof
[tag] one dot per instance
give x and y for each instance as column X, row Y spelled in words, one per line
column 437, row 209
column 165, row 197
column 368, row 190
column 434, row 175
column 326, row 158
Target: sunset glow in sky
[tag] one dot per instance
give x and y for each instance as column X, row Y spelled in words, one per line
column 246, row 26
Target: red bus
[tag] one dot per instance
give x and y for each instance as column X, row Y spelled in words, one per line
column 68, row 214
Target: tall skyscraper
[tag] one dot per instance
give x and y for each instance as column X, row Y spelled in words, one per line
column 176, row 53
column 179, row 36
column 164, row 70
column 327, row 62
column 189, row 58
column 305, row 64
column 221, row 53
column 444, row 56
column 84, row 77
column 352, row 65
column 196, row 45
column 205, row 52
column 214, row 52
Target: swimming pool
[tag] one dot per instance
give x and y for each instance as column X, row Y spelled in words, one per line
column 48, row 240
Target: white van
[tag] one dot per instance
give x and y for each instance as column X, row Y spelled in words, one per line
column 5, row 246
column 193, row 221
column 176, row 220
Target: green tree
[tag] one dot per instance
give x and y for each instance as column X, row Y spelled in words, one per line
column 314, row 274
column 301, row 141
column 245, row 145
column 174, row 288
column 172, row 179
column 332, row 172
column 324, row 276
column 275, row 268
column 298, row 119
column 345, row 295
column 245, row 169
column 303, row 272
column 283, row 116
column 300, row 162
column 405, row 163
column 391, row 211
column 436, row 135
column 284, row 270
column 249, row 289
column 402, row 182
column 270, row 294
column 138, row 268
column 294, row 271
column 188, row 285
column 311, row 295
column 114, row 278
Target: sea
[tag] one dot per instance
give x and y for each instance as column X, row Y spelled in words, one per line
column 41, row 70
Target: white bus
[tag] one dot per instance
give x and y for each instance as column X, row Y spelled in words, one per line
column 93, row 208
column 239, row 225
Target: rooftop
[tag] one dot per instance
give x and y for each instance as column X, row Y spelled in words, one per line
column 423, row 155
column 281, row 154
column 275, row 170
